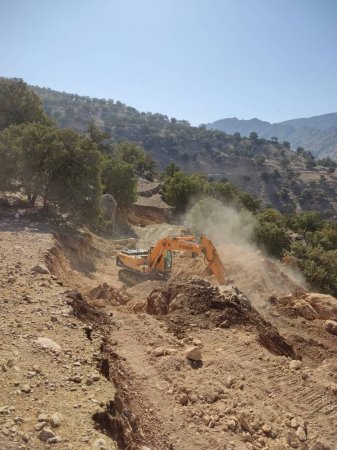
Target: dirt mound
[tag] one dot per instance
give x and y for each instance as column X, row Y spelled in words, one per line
column 109, row 294
column 195, row 303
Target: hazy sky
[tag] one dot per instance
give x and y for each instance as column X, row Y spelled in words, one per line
column 193, row 59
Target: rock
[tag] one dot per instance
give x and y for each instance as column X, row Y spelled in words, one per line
column 293, row 423
column 40, row 268
column 48, row 343
column 292, row 440
column 43, row 417
column 197, row 342
column 206, row 419
column 193, row 353
column 183, row 399
column 100, row 444
column 39, row 426
column 295, row 364
column 266, row 429
column 159, row 351
column 324, row 305
column 46, row 434
column 26, row 389
column 331, row 327
column 56, row 420
column 300, row 433
column 305, row 310
column 245, row 424
column 54, row 440
column 231, row 425
column 229, row 381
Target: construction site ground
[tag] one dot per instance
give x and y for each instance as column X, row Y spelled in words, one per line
column 86, row 365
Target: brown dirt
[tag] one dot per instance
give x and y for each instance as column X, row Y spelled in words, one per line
column 244, row 395
column 196, row 300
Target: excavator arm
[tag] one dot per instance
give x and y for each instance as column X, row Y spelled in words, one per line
column 188, row 243
column 156, row 263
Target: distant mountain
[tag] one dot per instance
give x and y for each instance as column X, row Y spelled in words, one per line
column 317, row 134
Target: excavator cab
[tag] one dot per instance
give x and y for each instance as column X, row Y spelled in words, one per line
column 168, row 261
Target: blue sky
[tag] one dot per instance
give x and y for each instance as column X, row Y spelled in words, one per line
column 191, row 59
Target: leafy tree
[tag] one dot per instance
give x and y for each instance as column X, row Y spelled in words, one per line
column 249, row 202
column 310, row 164
column 253, row 135
column 272, row 216
column 119, row 181
column 61, row 166
column 76, row 176
column 9, row 155
column 286, row 144
column 300, row 150
column 274, row 138
column 136, row 156
column 96, row 134
column 180, row 188
column 171, row 169
column 19, row 104
column 308, row 221
column 317, row 265
column 271, row 237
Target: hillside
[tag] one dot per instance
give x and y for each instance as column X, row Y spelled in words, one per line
column 264, row 168
column 317, row 134
column 88, row 363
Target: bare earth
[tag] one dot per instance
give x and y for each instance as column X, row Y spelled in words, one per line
column 127, row 383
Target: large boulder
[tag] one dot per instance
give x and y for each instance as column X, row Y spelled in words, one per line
column 324, row 305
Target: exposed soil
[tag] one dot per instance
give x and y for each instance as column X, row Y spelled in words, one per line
column 265, row 380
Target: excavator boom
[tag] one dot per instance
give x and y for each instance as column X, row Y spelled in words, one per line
column 157, row 262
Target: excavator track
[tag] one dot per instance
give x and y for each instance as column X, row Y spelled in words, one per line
column 131, row 278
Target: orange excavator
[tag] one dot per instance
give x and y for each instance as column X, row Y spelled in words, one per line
column 157, row 262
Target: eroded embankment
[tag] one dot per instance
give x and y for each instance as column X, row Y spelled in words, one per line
column 72, row 260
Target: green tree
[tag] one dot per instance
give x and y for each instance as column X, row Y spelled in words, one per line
column 96, row 134
column 180, row 188
column 253, row 135
column 170, row 170
column 9, row 156
column 271, row 237
column 119, row 181
column 19, row 104
column 61, row 166
column 136, row 156
column 308, row 221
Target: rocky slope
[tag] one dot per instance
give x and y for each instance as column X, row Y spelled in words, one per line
column 263, row 168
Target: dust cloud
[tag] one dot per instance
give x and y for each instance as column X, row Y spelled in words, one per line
column 232, row 231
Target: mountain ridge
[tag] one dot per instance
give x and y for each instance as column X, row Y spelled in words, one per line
column 317, row 134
